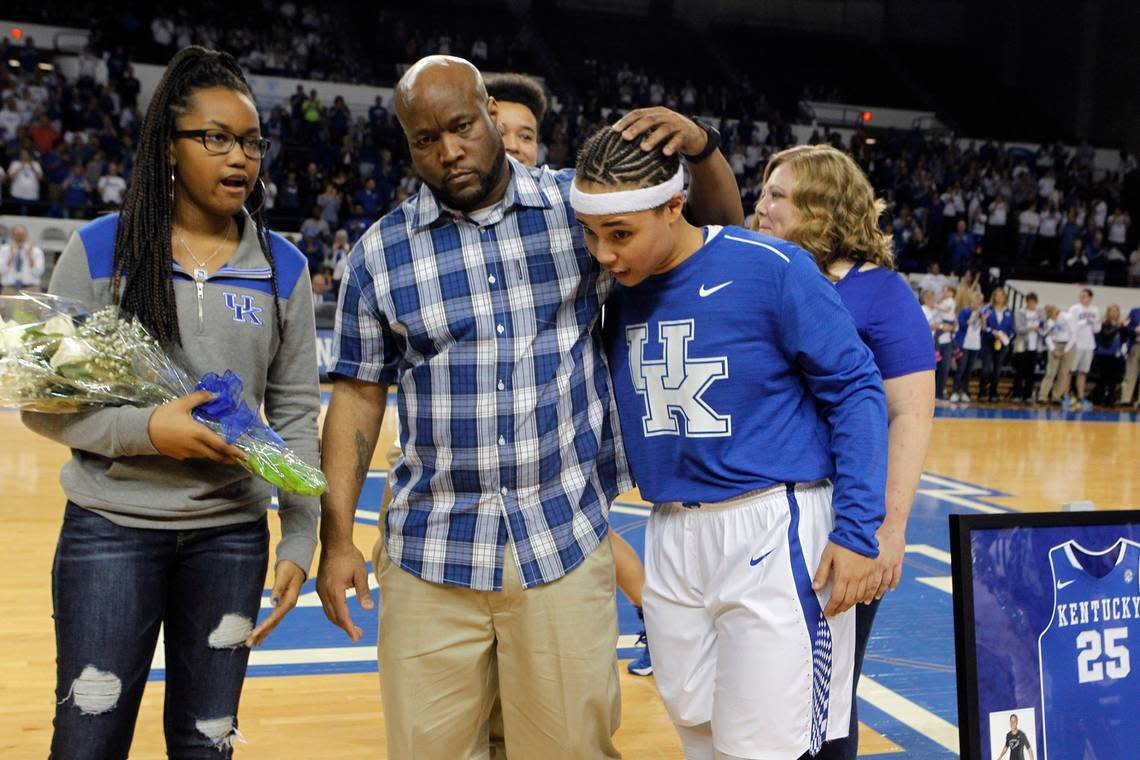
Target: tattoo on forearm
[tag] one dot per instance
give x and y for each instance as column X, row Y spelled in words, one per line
column 363, row 457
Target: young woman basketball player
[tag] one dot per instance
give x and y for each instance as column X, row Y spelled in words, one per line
column 755, row 422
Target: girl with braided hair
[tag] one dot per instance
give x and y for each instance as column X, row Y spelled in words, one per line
column 162, row 526
column 754, row 421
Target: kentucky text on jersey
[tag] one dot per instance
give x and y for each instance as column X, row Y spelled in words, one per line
column 1089, row 689
column 1098, row 611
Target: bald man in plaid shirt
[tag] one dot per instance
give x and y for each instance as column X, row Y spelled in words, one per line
column 478, row 298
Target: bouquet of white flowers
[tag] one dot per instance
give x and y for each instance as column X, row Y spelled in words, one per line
column 56, row 356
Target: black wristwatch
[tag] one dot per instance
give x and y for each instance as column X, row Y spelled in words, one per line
column 710, row 146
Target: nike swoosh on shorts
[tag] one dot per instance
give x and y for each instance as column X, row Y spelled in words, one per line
column 757, row 560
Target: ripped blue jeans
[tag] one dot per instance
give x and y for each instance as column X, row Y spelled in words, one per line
column 112, row 588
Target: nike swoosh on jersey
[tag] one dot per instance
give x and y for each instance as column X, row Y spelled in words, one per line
column 706, row 292
column 757, row 560
column 1063, row 584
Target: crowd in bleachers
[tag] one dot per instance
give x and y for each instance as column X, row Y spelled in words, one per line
column 67, row 145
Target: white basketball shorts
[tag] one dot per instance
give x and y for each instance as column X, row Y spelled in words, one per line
column 1082, row 359
column 738, row 635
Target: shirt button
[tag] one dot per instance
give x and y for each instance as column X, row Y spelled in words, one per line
column 491, row 279
column 502, row 441
column 500, row 328
column 502, row 385
column 503, row 490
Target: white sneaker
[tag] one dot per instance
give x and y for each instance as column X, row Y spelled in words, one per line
column 965, row 398
column 954, row 398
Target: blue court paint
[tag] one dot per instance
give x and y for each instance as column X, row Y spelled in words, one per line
column 911, row 650
column 1040, row 414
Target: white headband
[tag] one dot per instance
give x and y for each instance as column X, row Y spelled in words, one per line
column 625, row 201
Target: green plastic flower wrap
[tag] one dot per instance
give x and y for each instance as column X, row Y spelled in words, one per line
column 268, row 456
column 58, row 356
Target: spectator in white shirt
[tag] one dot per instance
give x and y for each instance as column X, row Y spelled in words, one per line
column 1084, row 319
column 1028, row 322
column 162, row 32
column 1118, row 227
column 1027, row 223
column 933, row 280
column 978, row 223
column 88, row 63
column 689, row 96
column 996, row 245
column 11, row 119
column 21, row 263
column 270, row 190
column 112, row 187
column 1059, row 343
column 24, row 175
column 944, row 338
column 953, row 207
column 1048, row 227
column 479, row 50
column 1099, row 213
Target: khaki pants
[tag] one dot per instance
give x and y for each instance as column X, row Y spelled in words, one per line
column 551, row 648
column 497, row 746
column 1059, row 370
column 1131, row 370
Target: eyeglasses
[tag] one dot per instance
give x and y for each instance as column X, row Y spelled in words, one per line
column 221, row 141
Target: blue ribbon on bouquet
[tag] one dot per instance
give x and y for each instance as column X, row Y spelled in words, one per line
column 229, row 411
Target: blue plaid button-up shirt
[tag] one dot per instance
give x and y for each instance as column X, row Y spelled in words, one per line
column 508, row 425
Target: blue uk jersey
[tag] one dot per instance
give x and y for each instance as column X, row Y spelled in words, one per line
column 1089, row 685
column 739, row 369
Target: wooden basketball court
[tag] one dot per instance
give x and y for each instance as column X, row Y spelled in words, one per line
column 1038, row 463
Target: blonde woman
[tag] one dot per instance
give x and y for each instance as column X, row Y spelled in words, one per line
column 818, row 197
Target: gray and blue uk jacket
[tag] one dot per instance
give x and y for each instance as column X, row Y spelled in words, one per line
column 226, row 324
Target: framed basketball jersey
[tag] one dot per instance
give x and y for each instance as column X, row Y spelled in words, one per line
column 1089, row 690
column 1047, row 633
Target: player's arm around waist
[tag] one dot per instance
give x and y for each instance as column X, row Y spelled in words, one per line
column 819, row 333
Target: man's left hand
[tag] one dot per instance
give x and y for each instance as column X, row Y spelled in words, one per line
column 657, row 126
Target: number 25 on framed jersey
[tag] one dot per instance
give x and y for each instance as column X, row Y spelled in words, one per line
column 1090, row 687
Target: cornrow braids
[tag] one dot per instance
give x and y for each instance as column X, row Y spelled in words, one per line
column 143, row 251
column 607, row 158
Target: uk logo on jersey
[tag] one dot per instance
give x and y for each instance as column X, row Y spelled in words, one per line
column 676, row 383
column 244, row 311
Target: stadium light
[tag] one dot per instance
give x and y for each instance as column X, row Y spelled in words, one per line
column 16, row 32
column 867, row 116
column 870, row 141
column 45, row 66
column 13, row 63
